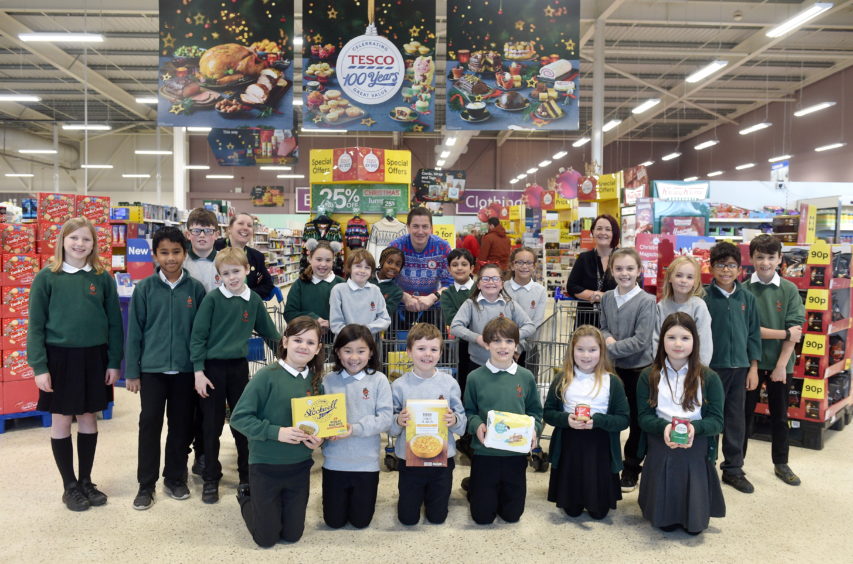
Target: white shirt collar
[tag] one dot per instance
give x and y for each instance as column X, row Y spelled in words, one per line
column 435, row 371
column 359, row 376
column 73, row 269
column 355, row 287
column 292, row 371
column 516, row 286
column 581, row 375
column 466, row 286
column 776, row 281
column 622, row 299
column 330, row 278
column 246, row 294
column 494, row 369
column 167, row 281
column 724, row 292
column 380, row 280
column 481, row 298
column 681, row 372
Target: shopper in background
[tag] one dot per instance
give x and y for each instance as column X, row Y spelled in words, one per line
column 495, row 246
column 202, row 228
column 737, row 350
column 160, row 321
column 525, row 291
column 218, row 349
column 588, row 409
column 279, row 454
column 241, row 231
column 680, row 487
column 310, row 294
column 590, row 276
column 351, row 461
column 357, row 300
column 782, row 316
column 391, row 262
column 627, row 319
column 471, row 241
column 74, row 346
column 683, row 291
column 425, row 272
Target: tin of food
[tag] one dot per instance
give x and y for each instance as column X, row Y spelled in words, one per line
column 582, row 412
column 680, row 433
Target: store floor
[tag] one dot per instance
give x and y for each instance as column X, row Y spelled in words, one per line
column 778, row 523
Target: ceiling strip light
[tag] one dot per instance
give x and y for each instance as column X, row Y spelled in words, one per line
column 581, row 142
column 560, row 155
column 37, row 151
column 647, row 163
column 271, row 167
column 531, row 170
column 96, row 166
column 439, row 162
column 707, row 70
column 754, row 128
column 829, row 147
column 219, row 176
column 715, row 173
column 706, row 144
column 62, row 37
column 86, row 127
column 544, row 163
column 610, row 125
column 796, row 21
column 744, row 166
column 136, row 176
column 152, row 152
column 778, row 158
column 670, row 156
column 444, row 154
column 197, row 167
column 146, row 100
column 646, row 106
column 19, row 175
column 19, row 98
column 290, row 176
column 197, row 129
column 450, row 141
column 691, row 178
column 799, row 113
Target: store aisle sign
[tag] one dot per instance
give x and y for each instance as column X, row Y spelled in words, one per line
column 475, row 200
column 680, row 190
column 366, row 198
column 360, row 164
column 303, row 199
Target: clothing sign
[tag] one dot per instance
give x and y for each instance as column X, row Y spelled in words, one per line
column 475, row 200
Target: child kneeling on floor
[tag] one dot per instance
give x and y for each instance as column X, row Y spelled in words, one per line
column 425, row 486
column 280, row 454
column 498, row 485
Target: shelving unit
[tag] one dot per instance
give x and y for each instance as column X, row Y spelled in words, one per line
column 732, row 227
column 561, row 245
column 282, row 249
column 834, row 218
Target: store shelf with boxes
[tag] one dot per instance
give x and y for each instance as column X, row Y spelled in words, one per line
column 834, row 218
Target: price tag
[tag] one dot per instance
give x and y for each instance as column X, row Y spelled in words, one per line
column 514, row 213
column 446, row 232
column 814, row 389
column 565, row 235
column 814, row 345
column 817, row 300
column 819, row 254
column 563, row 203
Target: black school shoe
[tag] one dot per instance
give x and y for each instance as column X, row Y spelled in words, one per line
column 74, row 499
column 210, row 492
column 740, row 483
column 198, row 465
column 784, row 473
column 628, row 483
column 176, row 490
column 95, row 496
column 144, row 499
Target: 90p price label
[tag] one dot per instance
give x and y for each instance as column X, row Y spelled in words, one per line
column 817, row 300
column 814, row 389
column 814, row 345
column 819, row 254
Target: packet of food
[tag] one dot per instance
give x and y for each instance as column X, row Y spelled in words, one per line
column 426, row 434
column 324, row 415
column 509, row 431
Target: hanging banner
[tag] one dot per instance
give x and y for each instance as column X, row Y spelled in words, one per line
column 360, row 164
column 439, row 185
column 360, row 82
column 680, row 190
column 250, row 146
column 476, row 200
column 513, row 66
column 367, row 198
column 636, row 185
column 226, row 64
column 267, row 196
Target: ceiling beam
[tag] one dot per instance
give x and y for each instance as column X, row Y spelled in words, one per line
column 105, row 7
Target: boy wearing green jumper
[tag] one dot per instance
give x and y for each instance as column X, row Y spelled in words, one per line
column 158, row 365
column 782, row 316
column 218, row 350
column 498, row 483
column 461, row 265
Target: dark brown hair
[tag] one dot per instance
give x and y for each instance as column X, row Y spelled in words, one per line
column 309, row 272
column 389, row 252
column 415, row 212
column 355, row 257
column 420, row 331
column 690, row 398
column 354, row 332
column 766, row 244
column 203, row 217
column 300, row 325
column 501, row 327
column 614, row 225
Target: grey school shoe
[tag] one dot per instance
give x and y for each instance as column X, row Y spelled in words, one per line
column 144, row 499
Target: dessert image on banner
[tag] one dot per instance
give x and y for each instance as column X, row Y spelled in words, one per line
column 327, row 27
column 226, row 64
column 513, row 64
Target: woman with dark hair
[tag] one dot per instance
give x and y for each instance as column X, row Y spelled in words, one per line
column 241, row 230
column 590, row 277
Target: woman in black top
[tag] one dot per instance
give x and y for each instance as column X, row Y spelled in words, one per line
column 589, row 277
column 241, row 229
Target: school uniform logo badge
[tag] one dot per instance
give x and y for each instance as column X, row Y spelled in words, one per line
column 245, row 317
column 372, row 306
column 779, row 305
column 532, row 304
column 189, row 301
column 743, row 307
column 92, row 289
column 518, row 390
column 441, row 397
column 365, row 393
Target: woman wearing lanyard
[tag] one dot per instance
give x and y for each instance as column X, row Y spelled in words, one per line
column 589, row 277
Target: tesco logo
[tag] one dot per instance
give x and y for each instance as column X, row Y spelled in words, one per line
column 371, row 60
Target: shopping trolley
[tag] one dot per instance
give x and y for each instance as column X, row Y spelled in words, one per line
column 261, row 351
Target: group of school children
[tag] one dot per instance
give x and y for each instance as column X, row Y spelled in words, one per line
column 186, row 349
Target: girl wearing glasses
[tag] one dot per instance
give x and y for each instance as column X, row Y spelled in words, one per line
column 525, row 291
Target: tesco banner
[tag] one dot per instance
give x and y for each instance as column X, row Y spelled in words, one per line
column 475, row 200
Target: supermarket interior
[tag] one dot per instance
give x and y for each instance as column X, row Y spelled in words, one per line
column 305, row 125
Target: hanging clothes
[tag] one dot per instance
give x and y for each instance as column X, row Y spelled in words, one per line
column 383, row 232
column 323, row 228
column 356, row 234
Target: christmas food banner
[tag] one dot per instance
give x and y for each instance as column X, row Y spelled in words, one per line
column 366, row 74
column 513, row 65
column 250, row 146
column 432, row 185
column 226, row 63
column 361, row 164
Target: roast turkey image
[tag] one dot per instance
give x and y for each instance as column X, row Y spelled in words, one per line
column 229, row 63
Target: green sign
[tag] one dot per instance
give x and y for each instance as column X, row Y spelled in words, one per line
column 366, row 198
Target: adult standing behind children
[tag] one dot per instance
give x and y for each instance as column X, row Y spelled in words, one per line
column 590, row 276
column 241, row 230
column 471, row 241
column 425, row 273
column 495, row 247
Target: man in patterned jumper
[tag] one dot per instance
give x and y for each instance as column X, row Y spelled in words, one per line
column 425, row 274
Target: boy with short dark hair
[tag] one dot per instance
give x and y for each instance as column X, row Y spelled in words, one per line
column 498, row 484
column 737, row 350
column 782, row 316
column 460, row 262
column 202, row 230
column 160, row 322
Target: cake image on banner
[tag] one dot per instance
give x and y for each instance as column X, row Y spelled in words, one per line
column 226, row 64
column 512, row 65
column 366, row 74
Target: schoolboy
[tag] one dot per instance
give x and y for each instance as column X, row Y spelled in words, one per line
column 158, row 366
column 782, row 316
column 202, row 230
column 737, row 350
column 461, row 265
column 498, row 485
column 423, row 486
column 218, row 350
column 391, row 262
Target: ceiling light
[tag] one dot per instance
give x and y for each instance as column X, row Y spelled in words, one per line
column 37, row 151
column 219, row 176
column 544, row 163
column 691, row 178
column 715, row 173
column 444, row 154
column 647, row 163
column 670, row 156
column 560, row 155
column 19, row 175
column 796, row 21
column 297, row 41
column 146, row 100
column 324, row 130
column 744, row 166
column 707, row 70
column 63, row 37
column 645, row 106
column 532, row 170
column 96, row 166
column 778, row 158
column 706, row 144
column 297, row 101
column 610, row 125
column 86, row 127
column 829, row 147
column 581, row 142
column 754, row 128
column 271, row 167
column 136, row 176
column 522, row 175
column 152, row 152
column 513, row 181
column 450, row 141
column 439, row 162
column 197, row 129
column 290, row 176
column 799, row 113
column 197, row 167
column 19, row 98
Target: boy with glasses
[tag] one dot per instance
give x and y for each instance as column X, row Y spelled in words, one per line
column 737, row 349
column 202, row 231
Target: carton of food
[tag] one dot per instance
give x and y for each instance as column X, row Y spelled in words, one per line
column 18, row 238
column 426, row 433
column 323, row 415
column 15, row 366
column 56, row 208
column 94, row 208
column 19, row 270
column 509, row 431
column 15, row 301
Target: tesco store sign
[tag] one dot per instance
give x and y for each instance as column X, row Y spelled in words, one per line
column 370, row 69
